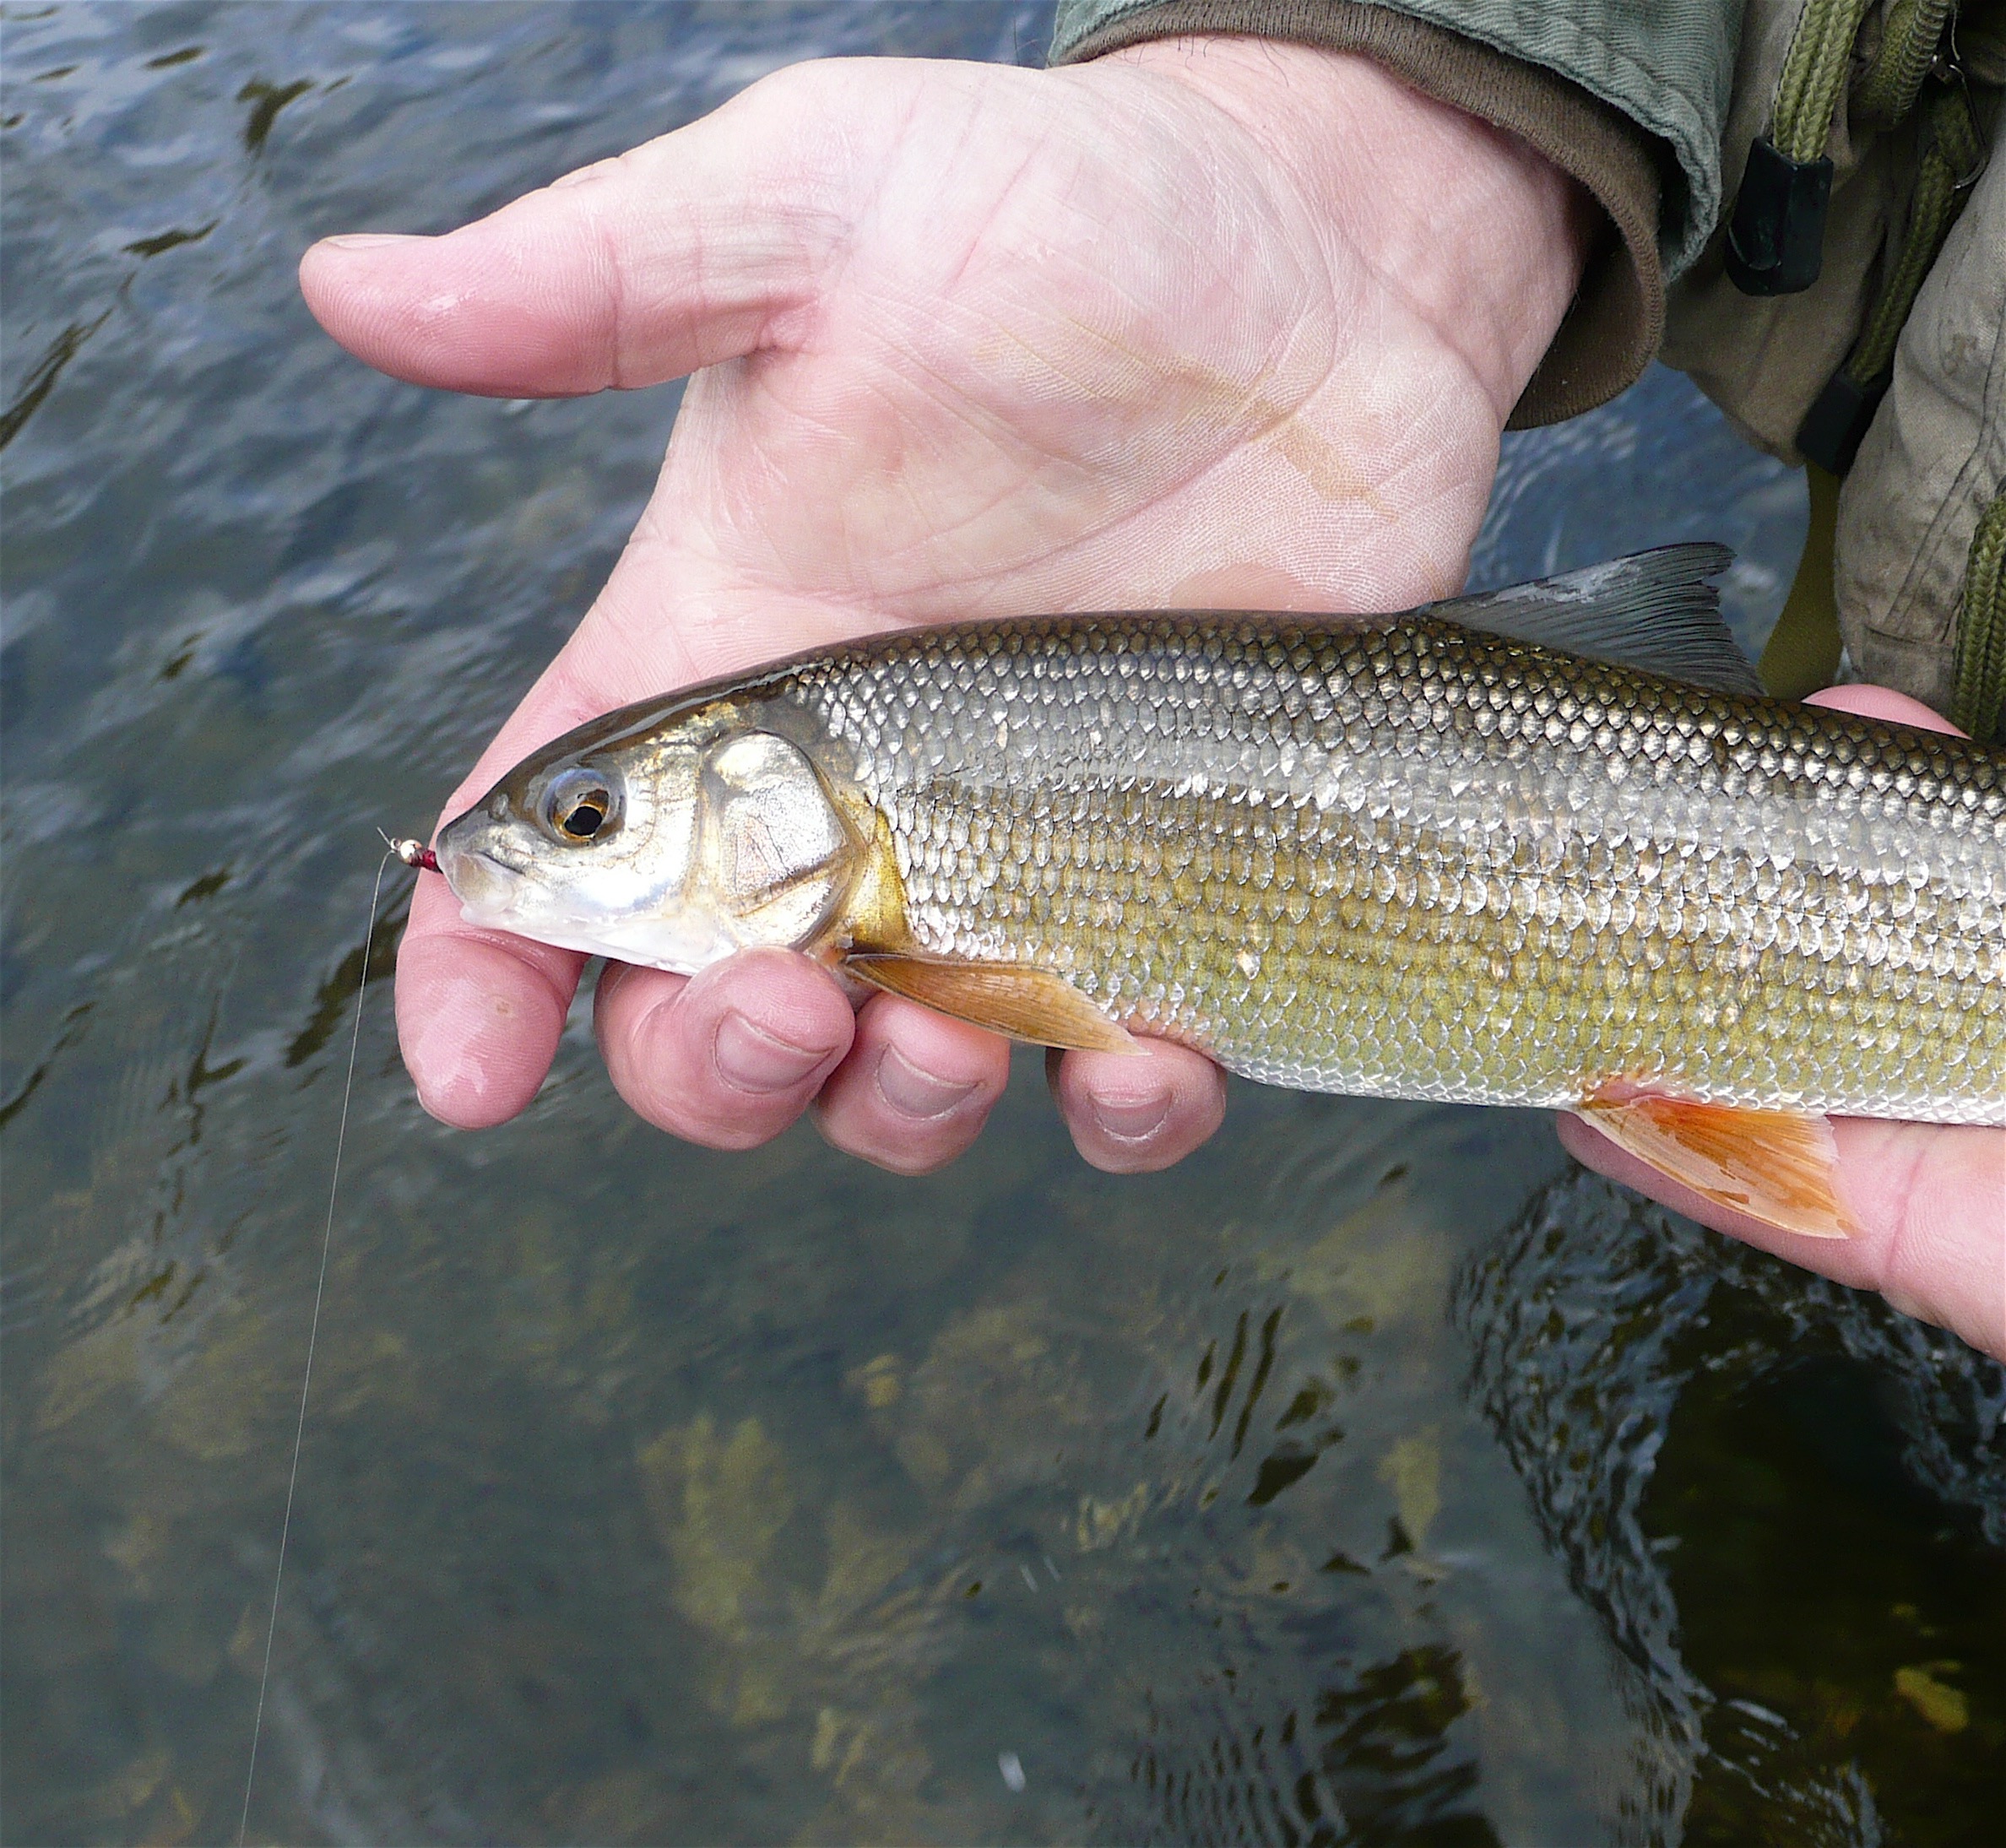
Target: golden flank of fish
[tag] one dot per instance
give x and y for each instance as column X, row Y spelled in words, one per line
column 1548, row 846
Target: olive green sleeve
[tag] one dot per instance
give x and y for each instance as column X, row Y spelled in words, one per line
column 1628, row 96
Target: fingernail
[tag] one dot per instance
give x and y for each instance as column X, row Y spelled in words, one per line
column 915, row 1093
column 750, row 1059
column 1133, row 1120
column 371, row 239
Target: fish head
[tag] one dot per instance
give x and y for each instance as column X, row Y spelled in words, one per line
column 669, row 847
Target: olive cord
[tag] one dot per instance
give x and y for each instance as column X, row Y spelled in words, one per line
column 1978, row 669
column 1815, row 73
column 320, row 1291
column 1952, row 161
column 1910, row 36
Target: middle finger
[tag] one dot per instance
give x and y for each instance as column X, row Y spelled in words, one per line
column 916, row 1088
column 728, row 1058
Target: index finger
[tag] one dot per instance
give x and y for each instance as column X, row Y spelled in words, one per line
column 479, row 1014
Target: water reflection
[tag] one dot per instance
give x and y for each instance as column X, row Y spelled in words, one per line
column 1779, row 1494
column 1326, row 1490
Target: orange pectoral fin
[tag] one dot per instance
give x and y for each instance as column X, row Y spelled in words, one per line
column 1009, row 998
column 1776, row 1166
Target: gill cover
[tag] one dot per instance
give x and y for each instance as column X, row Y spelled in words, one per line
column 778, row 854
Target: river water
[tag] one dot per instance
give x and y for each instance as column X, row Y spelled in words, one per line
column 1376, row 1477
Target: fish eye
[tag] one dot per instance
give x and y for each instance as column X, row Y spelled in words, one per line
column 578, row 805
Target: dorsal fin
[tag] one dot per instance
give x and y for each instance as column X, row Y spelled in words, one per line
column 1654, row 611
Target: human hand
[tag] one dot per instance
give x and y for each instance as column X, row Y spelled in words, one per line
column 1210, row 322
column 1929, row 1199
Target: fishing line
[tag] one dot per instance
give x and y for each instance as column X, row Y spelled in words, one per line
column 396, row 851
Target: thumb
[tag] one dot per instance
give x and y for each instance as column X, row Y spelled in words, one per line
column 689, row 250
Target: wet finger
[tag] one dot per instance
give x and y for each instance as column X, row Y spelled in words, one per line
column 1132, row 1115
column 729, row 1058
column 479, row 1014
column 916, row 1088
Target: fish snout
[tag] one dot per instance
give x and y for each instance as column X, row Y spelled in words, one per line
column 482, row 880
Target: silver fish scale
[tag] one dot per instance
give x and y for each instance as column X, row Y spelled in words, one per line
column 1411, row 860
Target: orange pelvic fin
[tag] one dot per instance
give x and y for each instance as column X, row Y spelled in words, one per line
column 1008, row 998
column 1776, row 1166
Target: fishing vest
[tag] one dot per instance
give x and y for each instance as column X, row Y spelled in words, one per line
column 1848, row 314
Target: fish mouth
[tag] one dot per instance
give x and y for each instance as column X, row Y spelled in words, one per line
column 481, row 882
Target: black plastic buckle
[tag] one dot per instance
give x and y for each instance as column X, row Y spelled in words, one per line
column 1833, row 428
column 1775, row 241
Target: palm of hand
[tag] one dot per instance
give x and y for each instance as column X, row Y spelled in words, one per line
column 1069, row 393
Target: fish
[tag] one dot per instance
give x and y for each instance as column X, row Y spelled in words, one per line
column 1549, row 846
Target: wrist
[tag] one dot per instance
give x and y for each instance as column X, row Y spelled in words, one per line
column 1483, row 237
